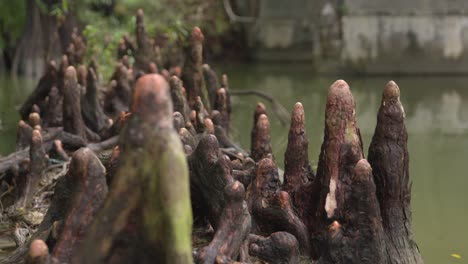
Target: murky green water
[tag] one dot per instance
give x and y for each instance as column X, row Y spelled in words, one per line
column 437, row 121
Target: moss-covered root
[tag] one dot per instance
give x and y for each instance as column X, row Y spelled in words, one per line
column 38, row 163
column 87, row 175
column 361, row 238
column 278, row 248
column 192, row 73
column 297, row 171
column 272, row 208
column 146, row 218
column 261, row 146
column 388, row 155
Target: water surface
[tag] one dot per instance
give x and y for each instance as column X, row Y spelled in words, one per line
column 437, row 121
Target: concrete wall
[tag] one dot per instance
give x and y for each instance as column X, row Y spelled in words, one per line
column 373, row 36
column 417, row 36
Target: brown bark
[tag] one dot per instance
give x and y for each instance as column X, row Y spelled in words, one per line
column 87, row 176
column 47, row 81
column 221, row 104
column 53, row 113
column 146, row 218
column 192, row 74
column 146, row 52
column 212, row 83
column 72, row 118
column 361, row 238
column 278, row 248
column 178, row 120
column 38, row 162
column 271, row 208
column 221, row 199
column 23, row 135
column 93, row 114
column 261, row 147
column 297, row 171
column 178, row 97
column 388, row 155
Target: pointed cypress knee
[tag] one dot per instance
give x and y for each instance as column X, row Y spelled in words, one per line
column 361, row 238
column 38, row 163
column 388, row 156
column 192, row 74
column 178, row 97
column 261, row 147
column 212, row 83
column 92, row 111
column 146, row 217
column 72, row 118
column 341, row 148
column 87, row 176
column 297, row 171
column 221, row 104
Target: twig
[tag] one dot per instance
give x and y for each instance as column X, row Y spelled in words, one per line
column 278, row 109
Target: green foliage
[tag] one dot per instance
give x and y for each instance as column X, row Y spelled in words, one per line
column 173, row 19
column 12, row 19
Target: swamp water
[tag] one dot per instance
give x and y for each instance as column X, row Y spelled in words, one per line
column 436, row 118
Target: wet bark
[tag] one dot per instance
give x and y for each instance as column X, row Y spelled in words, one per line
column 388, row 156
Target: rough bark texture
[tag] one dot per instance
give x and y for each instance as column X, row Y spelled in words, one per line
column 42, row 89
column 38, row 162
column 388, row 156
column 361, row 238
column 178, row 97
column 220, row 198
column 87, row 175
column 52, row 115
column 212, row 83
column 261, row 147
column 146, row 53
column 146, row 217
column 92, row 111
column 271, row 208
column 192, row 74
column 221, row 104
column 278, row 248
column 72, row 118
column 297, row 171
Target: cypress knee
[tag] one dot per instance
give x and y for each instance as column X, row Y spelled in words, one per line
column 388, row 156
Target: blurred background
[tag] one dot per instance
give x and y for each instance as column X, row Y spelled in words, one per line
column 293, row 50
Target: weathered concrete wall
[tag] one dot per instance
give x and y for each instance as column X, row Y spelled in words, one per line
column 406, row 44
column 417, row 36
column 373, row 36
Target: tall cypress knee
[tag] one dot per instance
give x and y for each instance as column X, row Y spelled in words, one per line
column 388, row 156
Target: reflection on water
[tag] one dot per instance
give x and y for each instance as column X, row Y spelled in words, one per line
column 437, row 121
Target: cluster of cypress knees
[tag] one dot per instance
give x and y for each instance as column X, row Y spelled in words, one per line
column 174, row 188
